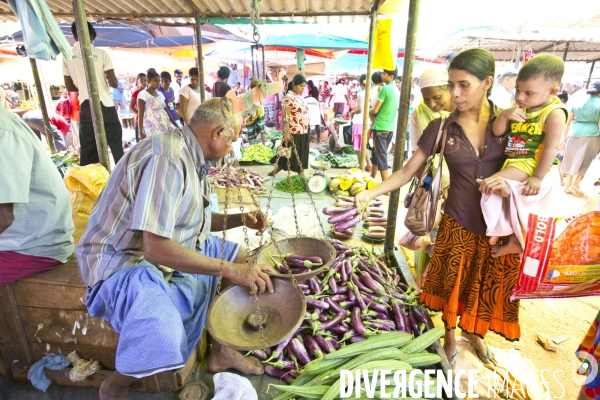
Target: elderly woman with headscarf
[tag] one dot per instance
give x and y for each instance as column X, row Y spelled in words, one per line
column 295, row 128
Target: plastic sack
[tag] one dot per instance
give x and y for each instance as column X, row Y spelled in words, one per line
column 561, row 256
column 284, row 225
column 84, row 185
column 230, row 386
column 82, row 368
column 53, row 361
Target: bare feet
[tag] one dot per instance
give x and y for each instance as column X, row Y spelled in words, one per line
column 274, row 172
column 116, row 387
column 222, row 358
column 512, row 247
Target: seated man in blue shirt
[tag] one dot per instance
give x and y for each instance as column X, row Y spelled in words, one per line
column 149, row 260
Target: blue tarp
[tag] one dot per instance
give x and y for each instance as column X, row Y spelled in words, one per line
column 310, row 41
column 125, row 36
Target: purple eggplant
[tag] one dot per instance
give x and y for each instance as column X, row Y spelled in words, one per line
column 317, row 304
column 371, row 283
column 297, row 271
column 351, row 295
column 322, row 318
column 345, row 225
column 297, row 257
column 336, row 345
column 296, row 348
column 357, row 321
column 343, row 216
column 279, row 349
column 342, row 290
column 399, row 317
column 413, row 325
column 260, row 354
column 343, row 274
column 378, row 326
column 325, row 345
column 314, row 285
column 284, row 269
column 278, row 373
column 419, row 314
column 385, row 300
column 339, row 298
column 284, row 364
column 312, row 346
column 335, row 306
column 338, row 330
column 348, row 335
column 332, row 284
column 359, row 284
column 386, row 322
column 348, row 266
column 303, row 286
column 334, row 211
column 375, row 314
column 348, row 304
column 307, row 292
column 398, row 295
column 357, row 339
column 333, row 322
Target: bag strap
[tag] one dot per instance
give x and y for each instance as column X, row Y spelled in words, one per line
column 439, row 135
column 445, row 134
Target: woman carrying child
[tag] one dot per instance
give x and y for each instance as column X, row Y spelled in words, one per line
column 463, row 278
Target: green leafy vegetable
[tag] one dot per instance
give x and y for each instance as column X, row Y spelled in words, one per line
column 298, row 185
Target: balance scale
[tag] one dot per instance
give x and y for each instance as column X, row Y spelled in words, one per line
column 318, row 182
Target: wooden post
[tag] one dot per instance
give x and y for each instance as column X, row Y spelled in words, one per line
column 198, row 30
column 409, row 59
column 566, row 52
column 366, row 106
column 590, row 75
column 41, row 98
column 85, row 46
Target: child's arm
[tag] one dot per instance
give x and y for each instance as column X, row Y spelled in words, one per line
column 501, row 124
column 554, row 126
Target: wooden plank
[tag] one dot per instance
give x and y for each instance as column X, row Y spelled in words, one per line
column 13, row 344
column 58, row 327
column 3, row 367
column 65, row 274
column 106, row 357
column 45, row 295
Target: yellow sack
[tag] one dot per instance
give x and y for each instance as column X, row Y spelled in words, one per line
column 386, row 46
column 84, row 185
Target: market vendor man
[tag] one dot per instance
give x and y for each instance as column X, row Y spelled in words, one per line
column 148, row 258
column 36, row 226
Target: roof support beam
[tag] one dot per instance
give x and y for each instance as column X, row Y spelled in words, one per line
column 191, row 15
column 590, row 75
column 409, row 60
column 85, row 46
column 566, row 52
column 551, row 46
column 42, row 99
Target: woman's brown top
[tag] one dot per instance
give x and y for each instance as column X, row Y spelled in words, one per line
column 464, row 197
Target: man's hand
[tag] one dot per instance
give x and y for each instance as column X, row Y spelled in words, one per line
column 256, row 220
column 362, row 198
column 253, row 276
column 514, row 114
column 532, row 186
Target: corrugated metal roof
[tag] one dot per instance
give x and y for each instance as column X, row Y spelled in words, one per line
column 583, row 46
column 182, row 11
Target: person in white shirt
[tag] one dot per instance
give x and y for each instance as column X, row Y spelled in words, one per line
column 357, row 121
column 503, row 95
column 75, row 81
column 177, row 84
column 339, row 97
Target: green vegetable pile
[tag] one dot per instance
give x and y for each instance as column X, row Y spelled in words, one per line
column 349, row 150
column 257, row 152
column 338, row 161
column 298, row 185
column 63, row 160
column 273, row 135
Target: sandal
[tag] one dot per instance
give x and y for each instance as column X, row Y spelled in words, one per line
column 569, row 190
column 451, row 359
column 576, row 192
column 484, row 358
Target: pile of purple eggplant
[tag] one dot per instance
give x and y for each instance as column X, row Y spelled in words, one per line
column 359, row 296
column 346, row 215
column 296, row 263
column 237, row 176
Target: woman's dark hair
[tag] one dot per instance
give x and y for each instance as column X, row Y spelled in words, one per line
column 165, row 75
column 178, row 71
column 151, row 74
column 362, row 79
column 141, row 75
column 564, row 96
column 91, row 31
column 477, row 62
column 224, row 73
column 193, row 72
column 310, row 83
column 290, row 86
column 376, row 77
column 298, row 79
column 594, row 89
column 150, row 69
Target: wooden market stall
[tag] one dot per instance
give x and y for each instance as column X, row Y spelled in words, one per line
column 47, row 312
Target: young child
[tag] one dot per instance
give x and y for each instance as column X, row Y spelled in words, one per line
column 534, row 126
